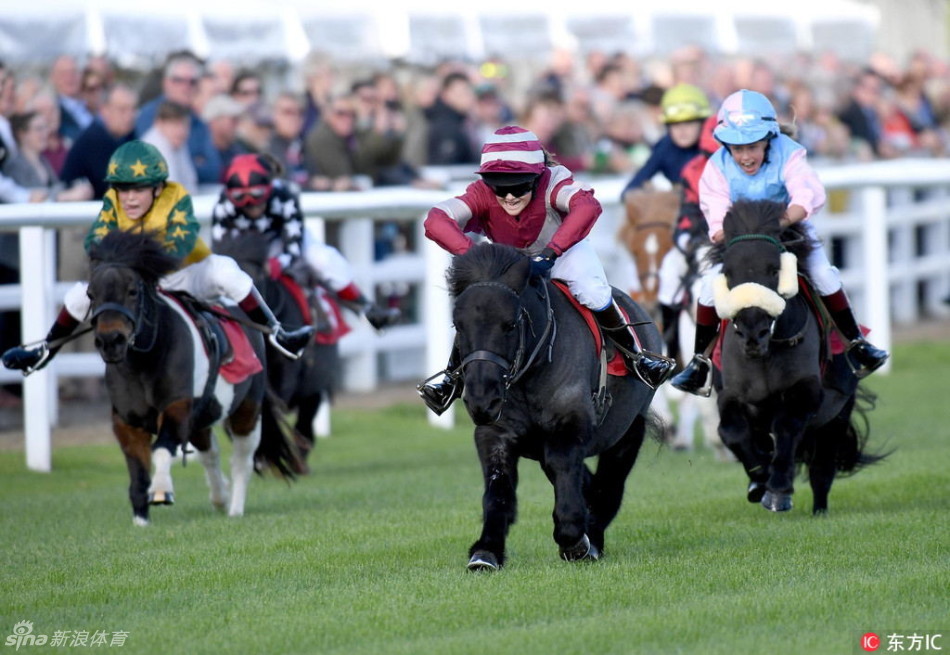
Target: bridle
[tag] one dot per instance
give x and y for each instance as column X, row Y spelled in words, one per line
column 144, row 328
column 516, row 368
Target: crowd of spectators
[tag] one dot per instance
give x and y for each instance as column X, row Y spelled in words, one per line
column 336, row 130
column 347, row 128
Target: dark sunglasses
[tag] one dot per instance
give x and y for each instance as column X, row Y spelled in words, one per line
column 190, row 81
column 242, row 197
column 516, row 190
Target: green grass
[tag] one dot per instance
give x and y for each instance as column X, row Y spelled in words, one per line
column 367, row 555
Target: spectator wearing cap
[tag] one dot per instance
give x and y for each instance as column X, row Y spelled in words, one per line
column 88, row 159
column 180, row 79
column 221, row 113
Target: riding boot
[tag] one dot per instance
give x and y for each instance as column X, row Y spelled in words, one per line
column 378, row 317
column 438, row 396
column 668, row 315
column 652, row 368
column 290, row 343
column 694, row 378
column 34, row 357
column 860, row 351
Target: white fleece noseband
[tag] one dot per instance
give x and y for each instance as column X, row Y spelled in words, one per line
column 730, row 302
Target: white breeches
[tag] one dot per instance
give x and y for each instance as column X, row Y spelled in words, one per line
column 580, row 267
column 211, row 278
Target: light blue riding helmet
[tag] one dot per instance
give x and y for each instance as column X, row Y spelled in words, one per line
column 745, row 117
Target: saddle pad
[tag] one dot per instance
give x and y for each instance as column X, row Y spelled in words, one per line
column 244, row 363
column 616, row 366
column 331, row 309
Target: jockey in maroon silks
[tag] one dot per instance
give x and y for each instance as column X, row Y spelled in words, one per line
column 526, row 200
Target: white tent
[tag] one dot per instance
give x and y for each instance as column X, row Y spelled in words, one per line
column 252, row 31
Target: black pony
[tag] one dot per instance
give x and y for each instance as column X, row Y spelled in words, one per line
column 162, row 382
column 303, row 383
column 781, row 401
column 534, row 389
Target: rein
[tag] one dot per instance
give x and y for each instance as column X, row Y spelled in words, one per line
column 515, row 369
column 756, row 237
column 144, row 327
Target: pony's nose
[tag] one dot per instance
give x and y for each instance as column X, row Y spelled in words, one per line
column 111, row 345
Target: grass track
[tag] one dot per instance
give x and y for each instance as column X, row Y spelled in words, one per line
column 367, row 555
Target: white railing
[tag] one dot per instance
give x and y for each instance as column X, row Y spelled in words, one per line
column 893, row 232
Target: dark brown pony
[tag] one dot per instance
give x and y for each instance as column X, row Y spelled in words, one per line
column 164, row 385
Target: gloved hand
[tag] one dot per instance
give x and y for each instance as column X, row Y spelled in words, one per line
column 542, row 262
column 381, row 317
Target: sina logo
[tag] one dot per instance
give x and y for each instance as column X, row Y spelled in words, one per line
column 23, row 636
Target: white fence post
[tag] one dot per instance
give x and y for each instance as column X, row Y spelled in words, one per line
column 875, row 265
column 361, row 371
column 437, row 307
column 40, row 387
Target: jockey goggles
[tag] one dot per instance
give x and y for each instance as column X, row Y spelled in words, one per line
column 516, row 190
column 244, row 196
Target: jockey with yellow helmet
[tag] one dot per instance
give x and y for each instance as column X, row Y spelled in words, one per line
column 141, row 197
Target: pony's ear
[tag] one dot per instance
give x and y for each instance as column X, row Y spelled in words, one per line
column 517, row 276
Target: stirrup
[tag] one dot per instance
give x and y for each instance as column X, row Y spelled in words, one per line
column 686, row 380
column 859, row 369
column 440, row 396
column 19, row 358
column 303, row 334
column 653, row 379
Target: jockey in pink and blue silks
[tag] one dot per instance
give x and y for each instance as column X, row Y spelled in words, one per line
column 527, row 201
column 758, row 162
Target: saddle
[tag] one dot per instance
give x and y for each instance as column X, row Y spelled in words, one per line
column 225, row 342
column 612, row 357
column 318, row 309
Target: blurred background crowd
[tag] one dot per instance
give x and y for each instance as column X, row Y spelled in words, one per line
column 343, row 128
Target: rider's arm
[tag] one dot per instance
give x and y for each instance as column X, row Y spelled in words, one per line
column 581, row 209
column 446, row 222
column 805, row 190
column 714, row 199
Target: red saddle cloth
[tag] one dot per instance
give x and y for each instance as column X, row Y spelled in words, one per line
column 244, row 363
column 616, row 365
column 338, row 325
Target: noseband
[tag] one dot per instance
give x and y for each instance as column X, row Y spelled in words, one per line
column 143, row 322
column 515, row 369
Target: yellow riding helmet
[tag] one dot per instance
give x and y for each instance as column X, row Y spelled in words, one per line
column 684, row 102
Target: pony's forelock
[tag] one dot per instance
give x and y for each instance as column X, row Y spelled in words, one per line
column 135, row 249
column 484, row 261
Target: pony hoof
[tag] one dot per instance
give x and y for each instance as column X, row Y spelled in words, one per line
column 581, row 550
column 777, row 502
column 482, row 560
column 820, row 511
column 140, row 521
column 755, row 492
column 161, row 498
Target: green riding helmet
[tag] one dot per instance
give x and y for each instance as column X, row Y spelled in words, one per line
column 137, row 163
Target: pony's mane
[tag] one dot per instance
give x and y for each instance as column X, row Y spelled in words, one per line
column 245, row 247
column 762, row 217
column 485, row 261
column 140, row 251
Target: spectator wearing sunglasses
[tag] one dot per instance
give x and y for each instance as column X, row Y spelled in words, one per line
column 180, row 80
column 257, row 199
column 527, row 200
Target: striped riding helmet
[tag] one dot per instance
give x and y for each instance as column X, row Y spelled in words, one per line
column 512, row 150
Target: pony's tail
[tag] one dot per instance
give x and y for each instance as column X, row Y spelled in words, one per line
column 279, row 449
column 850, row 454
